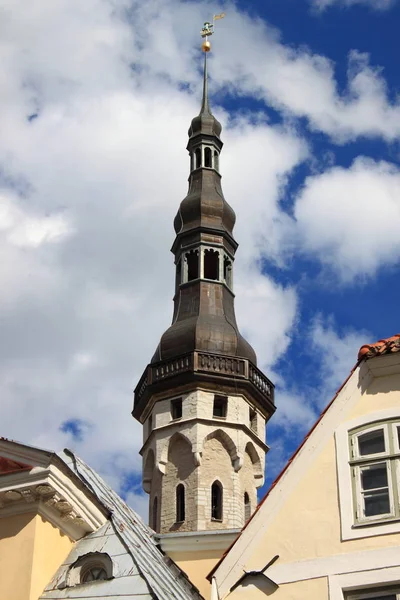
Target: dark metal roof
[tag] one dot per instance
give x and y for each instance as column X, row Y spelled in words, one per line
column 145, row 572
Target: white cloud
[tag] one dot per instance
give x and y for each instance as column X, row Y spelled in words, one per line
column 349, row 218
column 375, row 4
column 92, row 185
column 337, row 352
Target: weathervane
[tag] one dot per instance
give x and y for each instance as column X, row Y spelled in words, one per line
column 207, row 30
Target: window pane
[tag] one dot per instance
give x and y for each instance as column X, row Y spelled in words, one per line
column 372, row 442
column 374, row 476
column 376, row 503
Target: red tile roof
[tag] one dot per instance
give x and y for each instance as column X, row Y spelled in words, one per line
column 385, row 346
column 8, row 466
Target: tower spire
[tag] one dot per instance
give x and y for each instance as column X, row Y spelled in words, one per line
column 205, row 106
column 202, row 400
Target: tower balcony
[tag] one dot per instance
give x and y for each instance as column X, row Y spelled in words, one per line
column 216, row 370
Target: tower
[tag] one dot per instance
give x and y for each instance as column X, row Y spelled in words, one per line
column 202, row 401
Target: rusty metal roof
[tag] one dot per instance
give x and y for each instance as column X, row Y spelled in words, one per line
column 141, row 569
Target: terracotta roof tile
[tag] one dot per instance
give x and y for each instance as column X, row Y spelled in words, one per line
column 385, row 346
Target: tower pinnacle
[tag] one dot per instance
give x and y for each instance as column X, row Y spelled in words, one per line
column 202, row 399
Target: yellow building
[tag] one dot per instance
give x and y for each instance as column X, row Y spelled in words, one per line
column 64, row 533
column 329, row 527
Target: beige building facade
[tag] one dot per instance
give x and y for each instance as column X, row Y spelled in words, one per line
column 329, row 528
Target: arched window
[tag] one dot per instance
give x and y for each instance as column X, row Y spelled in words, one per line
column 216, row 501
column 94, row 566
column 198, row 158
column 216, row 160
column 228, row 271
column 180, row 503
column 211, row 264
column 178, row 273
column 154, row 515
column 247, row 507
column 192, row 259
column 208, row 158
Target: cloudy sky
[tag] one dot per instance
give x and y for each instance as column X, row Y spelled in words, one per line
column 96, row 99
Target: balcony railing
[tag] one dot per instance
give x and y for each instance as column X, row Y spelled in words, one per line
column 204, row 362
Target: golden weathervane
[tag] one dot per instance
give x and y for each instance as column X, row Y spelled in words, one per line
column 207, row 30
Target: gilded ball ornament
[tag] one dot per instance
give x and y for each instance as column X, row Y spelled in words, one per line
column 206, row 46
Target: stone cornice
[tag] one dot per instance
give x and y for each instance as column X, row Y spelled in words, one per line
column 197, row 541
column 49, row 492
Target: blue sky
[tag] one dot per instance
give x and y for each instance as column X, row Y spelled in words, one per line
column 95, row 105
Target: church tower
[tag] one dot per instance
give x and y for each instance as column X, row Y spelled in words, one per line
column 202, row 401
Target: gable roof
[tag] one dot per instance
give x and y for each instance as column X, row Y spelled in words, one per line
column 384, row 346
column 160, row 575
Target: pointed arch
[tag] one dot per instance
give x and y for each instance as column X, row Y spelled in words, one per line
column 247, row 507
column 208, row 157
column 225, row 440
column 148, row 470
column 217, row 496
column 197, row 155
column 167, row 447
column 180, row 503
column 255, row 459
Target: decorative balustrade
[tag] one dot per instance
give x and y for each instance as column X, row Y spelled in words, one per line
column 204, row 362
column 226, row 365
column 260, row 381
column 171, row 367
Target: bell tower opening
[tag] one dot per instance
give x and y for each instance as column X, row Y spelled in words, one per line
column 192, row 259
column 211, row 264
column 203, row 451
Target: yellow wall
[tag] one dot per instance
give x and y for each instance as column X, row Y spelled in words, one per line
column 51, row 547
column 197, row 566
column 17, row 535
column 31, row 550
column 307, row 524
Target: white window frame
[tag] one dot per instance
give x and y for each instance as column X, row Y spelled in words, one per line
column 341, row 585
column 395, row 437
column 349, row 529
column 378, row 426
column 360, row 517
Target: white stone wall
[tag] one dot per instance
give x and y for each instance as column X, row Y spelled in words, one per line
column 208, row 448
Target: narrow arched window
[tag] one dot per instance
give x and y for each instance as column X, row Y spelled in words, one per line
column 192, row 259
column 228, row 271
column 211, row 264
column 216, row 161
column 247, row 507
column 178, row 280
column 198, row 158
column 154, row 516
column 208, row 158
column 216, row 501
column 180, row 503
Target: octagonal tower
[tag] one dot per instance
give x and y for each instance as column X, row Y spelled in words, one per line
column 202, row 400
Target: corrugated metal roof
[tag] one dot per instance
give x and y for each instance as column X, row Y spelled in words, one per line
column 159, row 576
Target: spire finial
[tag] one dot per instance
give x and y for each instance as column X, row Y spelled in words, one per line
column 207, row 30
column 205, row 108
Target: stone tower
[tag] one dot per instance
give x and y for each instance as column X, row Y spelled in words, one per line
column 202, row 401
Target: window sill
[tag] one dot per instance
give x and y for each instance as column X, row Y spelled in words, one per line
column 216, row 520
column 376, row 523
column 219, row 417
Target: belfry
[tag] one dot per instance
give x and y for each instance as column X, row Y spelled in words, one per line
column 202, row 400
